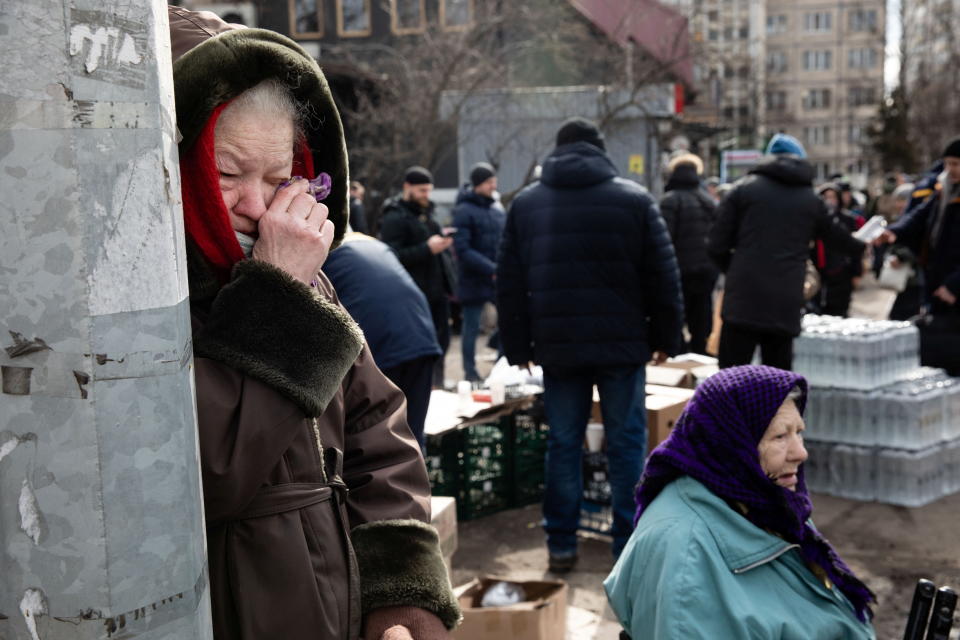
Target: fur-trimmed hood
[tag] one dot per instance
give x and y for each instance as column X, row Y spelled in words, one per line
column 215, row 62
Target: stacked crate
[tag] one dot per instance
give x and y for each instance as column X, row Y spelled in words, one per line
column 490, row 466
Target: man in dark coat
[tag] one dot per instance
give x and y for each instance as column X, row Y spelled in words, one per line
column 394, row 315
column 587, row 287
column 410, row 229
column 478, row 218
column 932, row 231
column 761, row 240
column 688, row 211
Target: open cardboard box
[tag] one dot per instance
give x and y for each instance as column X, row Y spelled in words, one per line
column 542, row 616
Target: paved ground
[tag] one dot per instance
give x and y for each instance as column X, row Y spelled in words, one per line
column 891, row 547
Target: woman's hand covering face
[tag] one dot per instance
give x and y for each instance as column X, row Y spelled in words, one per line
column 254, row 156
column 295, row 234
column 781, row 448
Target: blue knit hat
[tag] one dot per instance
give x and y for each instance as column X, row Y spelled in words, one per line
column 782, row 143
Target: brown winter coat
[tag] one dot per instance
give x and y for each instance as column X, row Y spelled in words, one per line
column 315, row 493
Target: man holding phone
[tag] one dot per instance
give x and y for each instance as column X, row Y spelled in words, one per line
column 409, row 228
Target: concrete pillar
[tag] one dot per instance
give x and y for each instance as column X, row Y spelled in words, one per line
column 101, row 522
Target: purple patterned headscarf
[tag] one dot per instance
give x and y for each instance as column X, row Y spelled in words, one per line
column 715, row 442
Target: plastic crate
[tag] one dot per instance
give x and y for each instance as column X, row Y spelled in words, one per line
column 529, row 448
column 472, row 464
column 596, row 517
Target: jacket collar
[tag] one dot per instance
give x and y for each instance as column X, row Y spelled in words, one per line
column 743, row 545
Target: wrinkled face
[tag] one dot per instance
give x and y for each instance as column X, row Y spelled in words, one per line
column 419, row 193
column 952, row 167
column 830, row 199
column 781, row 448
column 487, row 187
column 254, row 155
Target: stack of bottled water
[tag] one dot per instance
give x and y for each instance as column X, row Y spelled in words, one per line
column 855, row 354
column 879, row 427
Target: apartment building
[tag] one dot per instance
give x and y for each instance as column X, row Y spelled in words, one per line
column 824, row 78
column 810, row 68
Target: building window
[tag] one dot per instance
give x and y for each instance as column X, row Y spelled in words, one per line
column 456, row 14
column 776, row 61
column 776, row 24
column 816, row 99
column 823, row 170
column 862, row 96
column 713, row 35
column 862, row 58
column 713, row 15
column 863, row 20
column 407, row 16
column 306, row 18
column 744, row 32
column 817, row 60
column 856, row 133
column 353, row 18
column 728, row 33
column 817, row 135
column 818, row 21
column 776, row 100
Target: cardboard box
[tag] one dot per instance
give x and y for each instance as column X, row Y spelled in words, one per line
column 662, row 414
column 443, row 517
column 542, row 616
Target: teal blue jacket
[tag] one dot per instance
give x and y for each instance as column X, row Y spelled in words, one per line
column 695, row 568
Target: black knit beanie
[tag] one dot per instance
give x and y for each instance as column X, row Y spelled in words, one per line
column 418, row 175
column 953, row 149
column 480, row 173
column 580, row 130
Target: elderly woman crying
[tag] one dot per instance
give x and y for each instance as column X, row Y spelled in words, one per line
column 724, row 546
column 315, row 493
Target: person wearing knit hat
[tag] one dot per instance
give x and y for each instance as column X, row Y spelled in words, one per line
column 783, row 144
column 284, row 381
column 932, row 231
column 579, row 129
column 761, row 241
column 478, row 217
column 409, row 227
column 588, row 288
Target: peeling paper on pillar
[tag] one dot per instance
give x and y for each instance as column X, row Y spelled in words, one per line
column 31, row 520
column 32, row 606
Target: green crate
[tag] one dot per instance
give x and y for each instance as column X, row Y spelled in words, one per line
column 529, row 444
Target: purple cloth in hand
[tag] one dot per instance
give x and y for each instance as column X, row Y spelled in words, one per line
column 715, row 442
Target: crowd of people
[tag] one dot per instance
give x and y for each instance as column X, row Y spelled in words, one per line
column 311, row 430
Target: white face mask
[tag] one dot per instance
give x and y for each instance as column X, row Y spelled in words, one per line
column 246, row 243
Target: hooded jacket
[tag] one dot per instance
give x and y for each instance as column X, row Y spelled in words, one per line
column 689, row 212
column 479, row 222
column 761, row 240
column 315, row 494
column 586, row 274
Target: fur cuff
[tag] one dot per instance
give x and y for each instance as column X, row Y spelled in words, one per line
column 401, row 565
column 273, row 328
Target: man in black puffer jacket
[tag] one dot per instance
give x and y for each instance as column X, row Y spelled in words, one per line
column 761, row 240
column 587, row 286
column 689, row 211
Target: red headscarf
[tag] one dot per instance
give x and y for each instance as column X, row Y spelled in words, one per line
column 205, row 216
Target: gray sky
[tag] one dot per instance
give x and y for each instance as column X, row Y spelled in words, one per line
column 892, row 66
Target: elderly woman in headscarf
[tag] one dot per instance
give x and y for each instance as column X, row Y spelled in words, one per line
column 315, row 492
column 724, row 546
